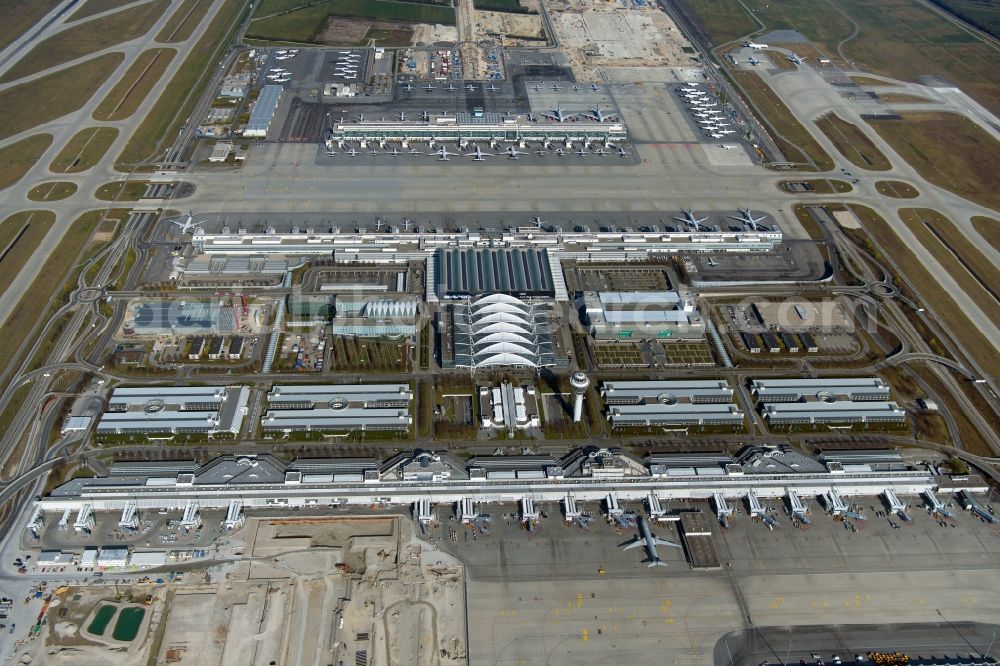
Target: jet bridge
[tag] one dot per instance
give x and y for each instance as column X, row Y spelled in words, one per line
column 529, row 516
column 192, row 516
column 838, row 507
column 64, row 521
column 235, row 516
column 467, row 511
column 797, row 508
column 758, row 510
column 36, row 521
column 722, row 509
column 936, row 506
column 84, row 519
column 616, row 514
column 422, row 512
column 895, row 505
column 972, row 505
column 569, row 508
column 130, row 517
column 656, row 510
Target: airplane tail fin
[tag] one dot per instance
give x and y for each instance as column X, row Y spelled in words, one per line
column 656, row 563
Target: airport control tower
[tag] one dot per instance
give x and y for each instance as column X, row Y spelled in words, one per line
column 579, row 382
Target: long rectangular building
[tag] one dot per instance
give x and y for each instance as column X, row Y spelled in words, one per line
column 175, row 409
column 516, row 272
column 695, row 391
column 793, row 390
column 338, row 407
column 665, row 403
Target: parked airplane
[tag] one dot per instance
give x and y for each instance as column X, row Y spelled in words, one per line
column 451, row 88
column 560, row 152
column 724, row 132
column 478, row 155
column 794, row 57
column 352, row 153
column 753, row 61
column 649, row 542
column 703, row 104
column 556, row 86
column 747, row 218
column 600, row 152
column 188, row 225
column 442, row 154
column 581, row 153
column 414, row 151
column 493, row 88
column 540, row 152
column 470, row 87
column 690, row 219
column 754, row 45
column 558, row 115
column 281, row 52
column 716, row 135
column 726, row 146
column 402, row 116
column 395, row 153
column 513, row 152
column 623, row 153
column 599, row 115
column 593, row 86
column 428, row 87
column 688, row 89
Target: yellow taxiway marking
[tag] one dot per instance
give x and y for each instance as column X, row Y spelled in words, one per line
column 586, row 635
column 579, row 599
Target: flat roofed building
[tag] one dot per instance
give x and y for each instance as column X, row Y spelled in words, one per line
column 651, row 314
column 339, row 407
column 696, row 391
column 263, row 111
column 178, row 317
column 520, row 273
column 175, row 409
column 833, row 412
column 799, row 315
column 792, row 390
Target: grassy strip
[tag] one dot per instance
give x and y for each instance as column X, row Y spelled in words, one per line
column 91, row 7
column 819, row 185
column 947, row 310
column 852, row 143
column 87, row 38
column 50, row 286
column 125, row 98
column 723, row 20
column 977, row 276
column 895, row 189
column 183, row 22
column 84, row 150
column 52, row 191
column 989, row 229
column 948, row 150
column 122, row 190
column 17, row 158
column 869, row 81
column 176, row 102
column 20, row 234
column 305, row 24
column 19, row 16
column 795, row 140
column 31, row 104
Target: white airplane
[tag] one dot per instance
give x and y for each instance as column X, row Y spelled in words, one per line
column 428, row 87
column 600, row 152
column 593, row 86
column 493, row 88
column 747, row 218
column 394, row 153
column 188, row 225
column 717, row 135
column 794, row 57
column 558, row 115
column 724, row 132
column 726, row 146
column 442, row 154
column 690, row 219
column 706, row 121
column 560, row 152
column 623, row 153
column 753, row 61
column 537, row 87
column 293, row 51
column 408, row 88
column 688, row 89
column 599, row 115
column 451, row 88
column 414, row 151
column 478, row 155
column 754, row 45
column 647, row 540
column 703, row 104
column 281, row 52
column 556, row 86
column 540, row 152
column 470, row 87
column 402, row 116
column 513, row 152
column 352, row 153
column 581, row 153
column 331, row 153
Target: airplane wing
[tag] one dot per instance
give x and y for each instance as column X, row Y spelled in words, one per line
column 654, row 563
column 635, row 543
column 664, row 542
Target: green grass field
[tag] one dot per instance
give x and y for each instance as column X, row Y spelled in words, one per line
column 983, row 14
column 52, row 191
column 499, row 6
column 129, row 190
column 20, row 235
column 84, row 150
column 852, row 143
column 17, row 158
column 88, row 37
column 184, row 20
column 948, row 150
column 30, row 104
column 303, row 25
column 180, row 95
column 898, row 38
column 132, row 88
column 91, row 7
column 19, row 15
column 989, row 229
